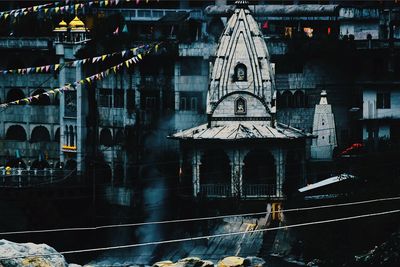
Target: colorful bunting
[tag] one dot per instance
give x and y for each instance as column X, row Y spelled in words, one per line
column 59, row 7
column 55, row 67
column 88, row 80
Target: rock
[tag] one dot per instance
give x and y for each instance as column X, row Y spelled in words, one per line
column 15, row 255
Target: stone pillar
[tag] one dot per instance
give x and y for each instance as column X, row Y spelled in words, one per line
column 196, row 161
column 236, row 173
column 280, row 158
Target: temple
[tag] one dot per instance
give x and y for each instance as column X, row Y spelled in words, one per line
column 242, row 151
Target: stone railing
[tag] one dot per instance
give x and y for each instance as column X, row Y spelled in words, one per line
column 215, row 190
column 248, row 190
column 21, row 178
column 25, row 43
column 258, row 190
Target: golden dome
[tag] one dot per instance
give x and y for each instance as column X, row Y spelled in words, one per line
column 62, row 27
column 76, row 23
column 62, row 24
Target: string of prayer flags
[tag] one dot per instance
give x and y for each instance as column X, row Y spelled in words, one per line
column 60, row 7
column 98, row 76
column 55, row 67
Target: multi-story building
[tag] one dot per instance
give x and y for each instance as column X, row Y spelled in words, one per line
column 350, row 50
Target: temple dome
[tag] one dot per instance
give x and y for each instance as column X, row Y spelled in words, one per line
column 62, row 27
column 77, row 25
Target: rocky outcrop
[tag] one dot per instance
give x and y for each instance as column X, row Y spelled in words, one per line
column 18, row 255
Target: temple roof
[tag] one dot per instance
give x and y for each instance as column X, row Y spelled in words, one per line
column 240, row 130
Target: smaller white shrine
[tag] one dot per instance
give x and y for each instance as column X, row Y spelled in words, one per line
column 325, row 130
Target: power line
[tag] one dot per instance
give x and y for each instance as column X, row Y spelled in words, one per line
column 199, row 219
column 206, row 237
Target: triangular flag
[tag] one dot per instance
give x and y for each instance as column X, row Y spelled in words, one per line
column 103, row 57
column 47, row 68
column 88, row 80
column 127, row 63
column 56, row 66
column 139, row 56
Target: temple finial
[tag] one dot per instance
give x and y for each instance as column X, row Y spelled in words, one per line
column 242, row 3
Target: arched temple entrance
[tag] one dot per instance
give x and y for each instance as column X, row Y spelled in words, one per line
column 259, row 173
column 215, row 173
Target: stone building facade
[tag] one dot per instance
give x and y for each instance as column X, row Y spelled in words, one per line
column 349, row 50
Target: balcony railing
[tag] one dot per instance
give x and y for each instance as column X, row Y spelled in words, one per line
column 20, row 178
column 248, row 190
column 259, row 190
column 215, row 190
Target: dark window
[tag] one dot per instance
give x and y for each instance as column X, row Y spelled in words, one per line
column 39, row 98
column 383, row 100
column 16, row 133
column 105, row 98
column 190, row 101
column 130, row 99
column 191, row 66
column 15, row 94
column 40, row 134
column 105, row 137
column 193, row 104
column 298, row 99
column 71, row 136
column 183, row 104
column 118, row 98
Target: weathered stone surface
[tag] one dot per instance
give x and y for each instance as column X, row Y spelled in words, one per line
column 18, row 255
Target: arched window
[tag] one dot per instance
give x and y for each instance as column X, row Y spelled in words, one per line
column 39, row 98
column 66, row 135
column 240, row 106
column 71, row 136
column 16, row 133
column 298, row 99
column 286, row 99
column 240, row 73
column 15, row 94
column 40, row 134
column 105, row 137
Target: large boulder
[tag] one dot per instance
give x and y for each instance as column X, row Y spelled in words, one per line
column 17, row 255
